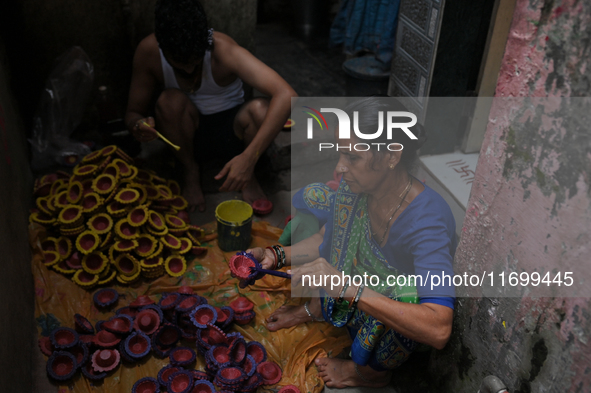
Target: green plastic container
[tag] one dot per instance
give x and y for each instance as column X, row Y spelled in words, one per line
column 234, row 225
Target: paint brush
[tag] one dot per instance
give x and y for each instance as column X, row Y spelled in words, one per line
column 175, row 147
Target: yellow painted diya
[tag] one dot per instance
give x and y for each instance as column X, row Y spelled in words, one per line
column 127, row 196
column 87, row 242
column 100, row 223
column 127, row 265
column 95, row 263
column 175, row 265
column 74, row 193
column 138, row 216
column 91, row 202
column 147, row 244
column 71, row 215
column 104, row 184
column 126, row 231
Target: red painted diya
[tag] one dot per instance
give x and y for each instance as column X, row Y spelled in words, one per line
column 182, row 356
column 141, row 301
column 211, row 335
column 220, row 354
column 119, row 324
column 83, row 325
column 289, row 389
column 63, row 338
column 203, row 386
column 241, row 305
column 147, row 321
column 138, row 216
column 203, row 315
column 189, row 303
column 45, row 346
column 240, row 266
column 170, row 301
column 80, row 352
column 271, row 372
column 61, row 365
column 262, row 207
column 105, row 360
column 106, row 339
column 105, row 297
column 186, row 290
column 180, row 382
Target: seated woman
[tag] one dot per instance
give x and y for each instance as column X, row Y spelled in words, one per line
column 384, row 222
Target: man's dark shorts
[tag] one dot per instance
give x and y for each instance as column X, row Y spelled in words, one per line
column 215, row 138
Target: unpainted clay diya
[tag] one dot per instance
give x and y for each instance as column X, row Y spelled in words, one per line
column 105, row 297
column 63, row 338
column 146, row 385
column 61, row 365
column 182, row 356
column 105, row 360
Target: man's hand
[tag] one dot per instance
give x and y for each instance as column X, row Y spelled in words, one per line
column 239, row 171
column 142, row 132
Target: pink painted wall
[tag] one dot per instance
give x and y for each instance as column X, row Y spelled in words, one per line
column 529, row 210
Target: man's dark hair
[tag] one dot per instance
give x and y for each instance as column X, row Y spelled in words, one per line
column 181, row 29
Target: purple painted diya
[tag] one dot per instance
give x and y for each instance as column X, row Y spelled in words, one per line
column 182, row 356
column 61, row 365
column 63, row 337
column 203, row 315
column 105, row 298
column 146, row 385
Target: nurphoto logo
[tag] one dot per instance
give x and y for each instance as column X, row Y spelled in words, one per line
column 344, row 129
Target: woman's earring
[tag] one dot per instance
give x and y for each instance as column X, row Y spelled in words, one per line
column 392, row 166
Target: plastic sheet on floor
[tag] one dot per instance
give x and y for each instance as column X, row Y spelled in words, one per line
column 57, row 299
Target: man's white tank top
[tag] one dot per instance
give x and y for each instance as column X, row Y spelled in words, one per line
column 209, row 98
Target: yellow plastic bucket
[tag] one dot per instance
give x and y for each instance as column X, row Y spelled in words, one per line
column 234, row 225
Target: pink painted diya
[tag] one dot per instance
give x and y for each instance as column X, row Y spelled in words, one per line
column 271, row 372
column 105, row 360
column 262, row 207
column 147, row 321
column 241, row 267
column 289, row 389
column 61, row 366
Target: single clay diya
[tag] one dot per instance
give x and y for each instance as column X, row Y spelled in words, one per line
column 180, row 382
column 170, row 301
column 289, row 389
column 203, row 386
column 89, row 373
column 104, row 184
column 241, row 305
column 87, row 339
column 61, row 365
column 95, row 263
column 168, row 335
column 262, row 207
column 127, row 265
column 230, row 377
column 129, row 311
column 146, row 245
column 74, row 261
column 189, row 333
column 45, row 346
column 271, row 372
column 75, row 192
column 146, row 385
column 127, row 195
column 161, row 351
column 83, row 325
column 124, row 169
column 49, row 244
column 211, row 335
column 186, row 245
column 171, row 242
column 101, row 223
column 186, row 290
column 64, row 247
column 106, row 339
column 165, row 373
column 63, row 337
column 219, row 356
column 244, row 318
column 182, row 356
column 147, row 321
column 198, row 375
column 137, row 345
column 127, row 231
column 142, row 301
column 175, row 265
column 119, row 324
column 230, row 337
column 203, row 315
column 125, row 245
column 252, row 383
column 87, row 242
column 105, row 297
column 249, row 365
column 138, row 216
column 174, row 221
column 70, row 214
column 180, row 203
column 257, row 351
column 238, row 351
column 51, row 257
column 105, row 360
column 89, row 202
column 241, row 267
column 80, row 352
column 189, row 303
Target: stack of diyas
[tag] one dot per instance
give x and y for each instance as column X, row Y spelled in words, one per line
column 112, row 221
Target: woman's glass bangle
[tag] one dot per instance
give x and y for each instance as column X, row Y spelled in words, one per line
column 357, row 296
column 342, row 293
column 274, row 267
column 280, row 252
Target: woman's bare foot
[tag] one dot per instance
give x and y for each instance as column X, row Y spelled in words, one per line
column 253, row 191
column 339, row 373
column 192, row 192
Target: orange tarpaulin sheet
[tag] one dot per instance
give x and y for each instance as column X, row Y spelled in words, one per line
column 57, row 299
